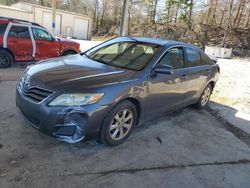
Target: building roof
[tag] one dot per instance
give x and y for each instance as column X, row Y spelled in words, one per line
column 49, row 8
column 14, row 20
column 14, row 8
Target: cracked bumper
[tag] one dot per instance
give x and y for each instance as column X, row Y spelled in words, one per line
column 70, row 124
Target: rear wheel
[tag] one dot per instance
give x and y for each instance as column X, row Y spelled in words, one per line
column 6, row 59
column 119, row 124
column 205, row 96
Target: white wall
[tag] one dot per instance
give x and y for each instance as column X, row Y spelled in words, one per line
column 67, row 24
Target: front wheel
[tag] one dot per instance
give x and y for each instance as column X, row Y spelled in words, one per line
column 205, row 96
column 119, row 124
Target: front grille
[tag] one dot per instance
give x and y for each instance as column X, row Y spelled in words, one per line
column 36, row 94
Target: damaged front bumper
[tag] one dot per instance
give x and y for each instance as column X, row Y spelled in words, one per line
column 70, row 124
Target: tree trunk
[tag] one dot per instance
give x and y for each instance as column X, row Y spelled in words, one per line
column 209, row 12
column 248, row 20
column 214, row 9
column 237, row 14
column 223, row 13
column 228, row 24
column 154, row 11
column 176, row 13
column 190, row 14
column 242, row 6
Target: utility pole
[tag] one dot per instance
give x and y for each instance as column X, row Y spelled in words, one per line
column 124, row 19
column 54, row 17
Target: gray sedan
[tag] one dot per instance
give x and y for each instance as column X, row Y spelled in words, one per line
column 105, row 92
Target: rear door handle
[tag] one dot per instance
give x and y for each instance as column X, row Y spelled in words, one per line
column 184, row 76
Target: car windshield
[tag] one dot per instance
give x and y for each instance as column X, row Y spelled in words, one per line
column 128, row 55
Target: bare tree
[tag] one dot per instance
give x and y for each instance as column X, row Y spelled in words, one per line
column 228, row 23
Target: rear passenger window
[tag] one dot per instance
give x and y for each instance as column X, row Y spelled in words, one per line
column 19, row 32
column 2, row 28
column 206, row 60
column 174, row 57
column 193, row 57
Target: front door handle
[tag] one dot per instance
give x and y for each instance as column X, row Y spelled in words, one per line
column 208, row 72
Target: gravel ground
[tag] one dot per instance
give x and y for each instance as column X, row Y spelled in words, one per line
column 231, row 98
column 233, row 87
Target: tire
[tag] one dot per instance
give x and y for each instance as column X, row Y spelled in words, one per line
column 204, row 98
column 69, row 52
column 115, row 124
column 6, row 59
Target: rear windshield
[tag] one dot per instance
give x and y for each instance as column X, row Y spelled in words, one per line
column 2, row 28
column 128, row 55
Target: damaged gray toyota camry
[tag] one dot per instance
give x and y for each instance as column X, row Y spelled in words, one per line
column 105, row 92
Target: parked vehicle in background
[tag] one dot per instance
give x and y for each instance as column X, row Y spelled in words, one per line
column 104, row 92
column 26, row 41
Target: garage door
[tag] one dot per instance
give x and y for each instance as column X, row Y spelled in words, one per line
column 47, row 22
column 80, row 30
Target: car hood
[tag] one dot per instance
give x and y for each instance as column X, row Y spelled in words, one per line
column 68, row 41
column 75, row 72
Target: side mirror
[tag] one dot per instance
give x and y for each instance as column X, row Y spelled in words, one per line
column 164, row 69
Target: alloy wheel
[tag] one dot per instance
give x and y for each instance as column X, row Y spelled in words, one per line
column 205, row 96
column 121, row 124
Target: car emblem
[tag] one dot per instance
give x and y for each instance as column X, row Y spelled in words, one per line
column 26, row 81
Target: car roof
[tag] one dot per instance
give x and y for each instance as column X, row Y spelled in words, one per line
column 14, row 20
column 158, row 41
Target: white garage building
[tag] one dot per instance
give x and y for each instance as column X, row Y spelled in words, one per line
column 68, row 24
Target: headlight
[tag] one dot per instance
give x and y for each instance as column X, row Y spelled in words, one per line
column 76, row 99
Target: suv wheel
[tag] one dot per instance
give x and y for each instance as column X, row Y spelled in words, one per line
column 6, row 59
column 205, row 96
column 119, row 124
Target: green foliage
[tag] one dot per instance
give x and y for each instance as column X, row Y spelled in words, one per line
column 183, row 18
column 7, row 2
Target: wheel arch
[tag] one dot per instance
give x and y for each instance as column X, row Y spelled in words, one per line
column 137, row 104
column 8, row 50
column 212, row 83
column 68, row 50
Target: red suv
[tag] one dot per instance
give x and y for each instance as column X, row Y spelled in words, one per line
column 26, row 41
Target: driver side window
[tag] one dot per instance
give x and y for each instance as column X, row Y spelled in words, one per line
column 174, row 57
column 40, row 34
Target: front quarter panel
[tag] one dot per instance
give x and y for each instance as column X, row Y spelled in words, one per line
column 135, row 89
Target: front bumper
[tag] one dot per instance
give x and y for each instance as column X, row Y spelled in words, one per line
column 70, row 124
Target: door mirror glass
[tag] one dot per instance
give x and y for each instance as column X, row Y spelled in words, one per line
column 164, row 69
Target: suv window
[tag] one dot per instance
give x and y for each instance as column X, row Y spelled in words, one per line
column 40, row 34
column 19, row 32
column 193, row 57
column 174, row 57
column 2, row 28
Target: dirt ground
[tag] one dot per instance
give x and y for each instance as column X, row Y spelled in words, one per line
column 188, row 148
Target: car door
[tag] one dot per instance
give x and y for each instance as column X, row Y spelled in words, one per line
column 167, row 91
column 19, row 42
column 46, row 45
column 196, row 73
